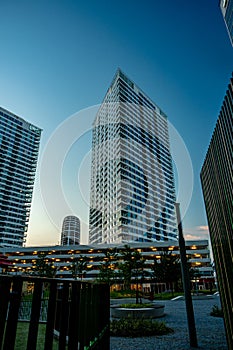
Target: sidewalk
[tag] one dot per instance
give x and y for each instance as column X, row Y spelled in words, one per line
column 210, row 330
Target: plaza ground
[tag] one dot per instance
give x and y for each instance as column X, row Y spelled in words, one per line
column 210, row 330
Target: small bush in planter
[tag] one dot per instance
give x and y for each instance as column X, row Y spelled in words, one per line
column 129, row 327
column 216, row 311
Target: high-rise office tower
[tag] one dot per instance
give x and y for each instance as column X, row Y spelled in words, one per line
column 227, row 12
column 132, row 184
column 217, row 186
column 70, row 230
column 19, row 146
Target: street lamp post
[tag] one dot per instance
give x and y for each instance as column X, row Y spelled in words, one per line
column 186, row 282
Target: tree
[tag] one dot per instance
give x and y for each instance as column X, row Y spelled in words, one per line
column 79, row 267
column 167, row 269
column 132, row 267
column 43, row 267
column 107, row 272
column 126, row 266
column 138, row 271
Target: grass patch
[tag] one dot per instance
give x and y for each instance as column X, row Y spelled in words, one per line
column 131, row 294
column 131, row 327
column 122, row 294
column 167, row 295
column 207, row 291
column 216, row 311
column 136, row 306
column 22, row 335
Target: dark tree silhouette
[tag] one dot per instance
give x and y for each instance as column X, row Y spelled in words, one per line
column 79, row 267
column 107, row 273
column 167, row 269
column 132, row 268
column 43, row 267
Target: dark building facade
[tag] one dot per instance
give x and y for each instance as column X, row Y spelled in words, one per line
column 217, row 186
column 19, row 146
column 227, row 12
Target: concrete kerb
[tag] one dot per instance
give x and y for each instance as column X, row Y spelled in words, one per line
column 153, row 311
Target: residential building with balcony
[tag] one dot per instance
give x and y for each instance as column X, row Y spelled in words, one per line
column 19, row 147
column 132, row 183
column 227, row 12
column 70, row 230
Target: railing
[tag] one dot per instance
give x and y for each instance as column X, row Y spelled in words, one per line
column 76, row 312
column 25, row 309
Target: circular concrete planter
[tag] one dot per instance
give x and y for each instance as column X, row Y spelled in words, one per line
column 154, row 311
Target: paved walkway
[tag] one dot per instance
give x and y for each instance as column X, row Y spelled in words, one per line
column 210, row 330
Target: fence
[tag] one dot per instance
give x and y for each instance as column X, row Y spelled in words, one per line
column 78, row 312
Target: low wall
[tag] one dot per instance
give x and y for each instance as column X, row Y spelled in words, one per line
column 154, row 311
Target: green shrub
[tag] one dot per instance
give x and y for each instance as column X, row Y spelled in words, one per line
column 216, row 311
column 131, row 327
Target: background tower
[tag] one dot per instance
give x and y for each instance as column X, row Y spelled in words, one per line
column 132, row 184
column 217, row 186
column 19, row 147
column 227, row 12
column 70, row 230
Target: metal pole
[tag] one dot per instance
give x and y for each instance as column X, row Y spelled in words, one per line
column 186, row 282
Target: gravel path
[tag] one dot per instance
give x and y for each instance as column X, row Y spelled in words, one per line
column 210, row 330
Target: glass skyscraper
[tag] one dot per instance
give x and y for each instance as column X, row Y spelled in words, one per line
column 217, row 186
column 19, row 146
column 227, row 12
column 132, row 183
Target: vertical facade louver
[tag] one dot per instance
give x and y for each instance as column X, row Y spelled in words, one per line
column 70, row 230
column 19, row 147
column 217, row 186
column 132, row 183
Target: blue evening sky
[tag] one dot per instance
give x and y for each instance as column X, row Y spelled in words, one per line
column 59, row 57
